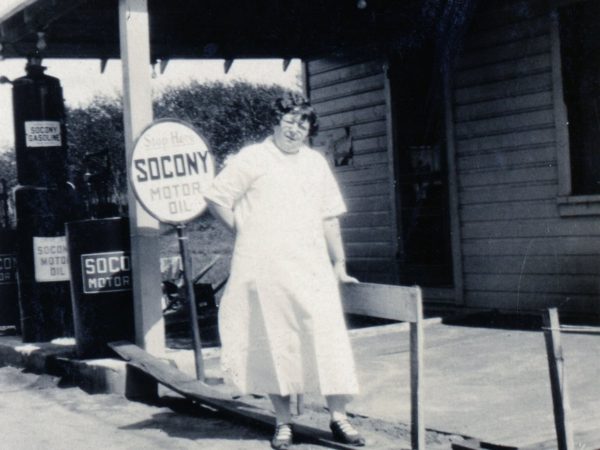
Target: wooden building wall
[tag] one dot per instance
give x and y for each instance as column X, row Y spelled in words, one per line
column 349, row 96
column 518, row 253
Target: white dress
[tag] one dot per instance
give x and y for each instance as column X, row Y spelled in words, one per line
column 280, row 319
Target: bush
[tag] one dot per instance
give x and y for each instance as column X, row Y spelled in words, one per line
column 227, row 115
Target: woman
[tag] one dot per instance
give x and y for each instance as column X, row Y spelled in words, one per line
column 280, row 319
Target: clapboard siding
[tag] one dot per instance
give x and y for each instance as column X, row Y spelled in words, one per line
column 368, row 204
column 539, row 190
column 319, row 66
column 504, row 106
column 506, row 52
column 490, row 73
column 518, row 253
column 364, row 234
column 481, row 178
column 515, row 32
column 352, row 87
column 507, row 159
column 349, row 95
column 368, row 249
column 504, row 89
column 349, row 174
column 548, row 245
column 355, row 116
column 344, row 104
column 379, row 157
column 533, row 265
column 529, row 283
column 361, row 219
column 365, row 189
column 504, row 124
column 531, row 228
column 353, row 72
column 518, row 137
column 540, row 210
column 531, row 302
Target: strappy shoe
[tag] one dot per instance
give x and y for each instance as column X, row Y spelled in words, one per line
column 344, row 432
column 283, row 437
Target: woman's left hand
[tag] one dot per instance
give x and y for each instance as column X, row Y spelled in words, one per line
column 342, row 275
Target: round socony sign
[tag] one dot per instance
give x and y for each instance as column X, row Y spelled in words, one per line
column 171, row 166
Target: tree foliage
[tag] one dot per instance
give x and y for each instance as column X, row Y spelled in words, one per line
column 8, row 179
column 227, row 115
column 95, row 138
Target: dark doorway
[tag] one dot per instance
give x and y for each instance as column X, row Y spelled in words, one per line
column 424, row 251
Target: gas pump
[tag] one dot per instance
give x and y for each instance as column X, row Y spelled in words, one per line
column 43, row 205
column 40, row 132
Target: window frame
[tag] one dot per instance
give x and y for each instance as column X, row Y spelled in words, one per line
column 568, row 204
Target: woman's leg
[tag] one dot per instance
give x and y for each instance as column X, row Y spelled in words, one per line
column 337, row 406
column 342, row 430
column 281, row 405
column 283, row 437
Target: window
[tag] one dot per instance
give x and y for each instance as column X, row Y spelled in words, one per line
column 579, row 32
column 576, row 75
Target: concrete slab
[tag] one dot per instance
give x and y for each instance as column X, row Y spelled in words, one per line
column 487, row 383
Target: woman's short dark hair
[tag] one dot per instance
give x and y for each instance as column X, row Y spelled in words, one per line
column 296, row 103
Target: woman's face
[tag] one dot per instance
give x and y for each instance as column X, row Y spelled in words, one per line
column 291, row 132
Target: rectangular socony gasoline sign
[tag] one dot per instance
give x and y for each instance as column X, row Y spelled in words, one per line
column 106, row 272
column 8, row 268
column 42, row 133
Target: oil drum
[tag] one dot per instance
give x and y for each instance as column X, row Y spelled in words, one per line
column 101, row 289
column 9, row 299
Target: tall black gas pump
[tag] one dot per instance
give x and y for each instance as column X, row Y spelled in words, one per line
column 43, row 205
column 40, row 131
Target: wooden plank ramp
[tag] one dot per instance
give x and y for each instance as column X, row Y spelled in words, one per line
column 474, row 444
column 189, row 387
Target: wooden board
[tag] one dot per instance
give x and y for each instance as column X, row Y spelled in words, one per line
column 558, row 382
column 193, row 389
column 383, row 301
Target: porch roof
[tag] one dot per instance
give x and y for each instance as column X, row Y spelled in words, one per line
column 185, row 29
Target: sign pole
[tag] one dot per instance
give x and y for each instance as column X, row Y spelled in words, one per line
column 170, row 166
column 187, row 269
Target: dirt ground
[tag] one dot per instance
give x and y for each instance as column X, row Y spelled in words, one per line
column 37, row 412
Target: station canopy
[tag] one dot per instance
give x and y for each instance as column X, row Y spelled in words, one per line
column 225, row 29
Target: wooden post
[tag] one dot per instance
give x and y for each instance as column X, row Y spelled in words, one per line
column 558, row 383
column 191, row 297
column 453, row 195
column 137, row 114
column 417, row 346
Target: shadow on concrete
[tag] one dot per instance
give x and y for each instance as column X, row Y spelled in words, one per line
column 191, row 420
column 496, row 319
column 507, row 321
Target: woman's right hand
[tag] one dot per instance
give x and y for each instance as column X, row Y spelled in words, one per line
column 339, row 269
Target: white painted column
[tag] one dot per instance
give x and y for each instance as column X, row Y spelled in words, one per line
column 144, row 230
